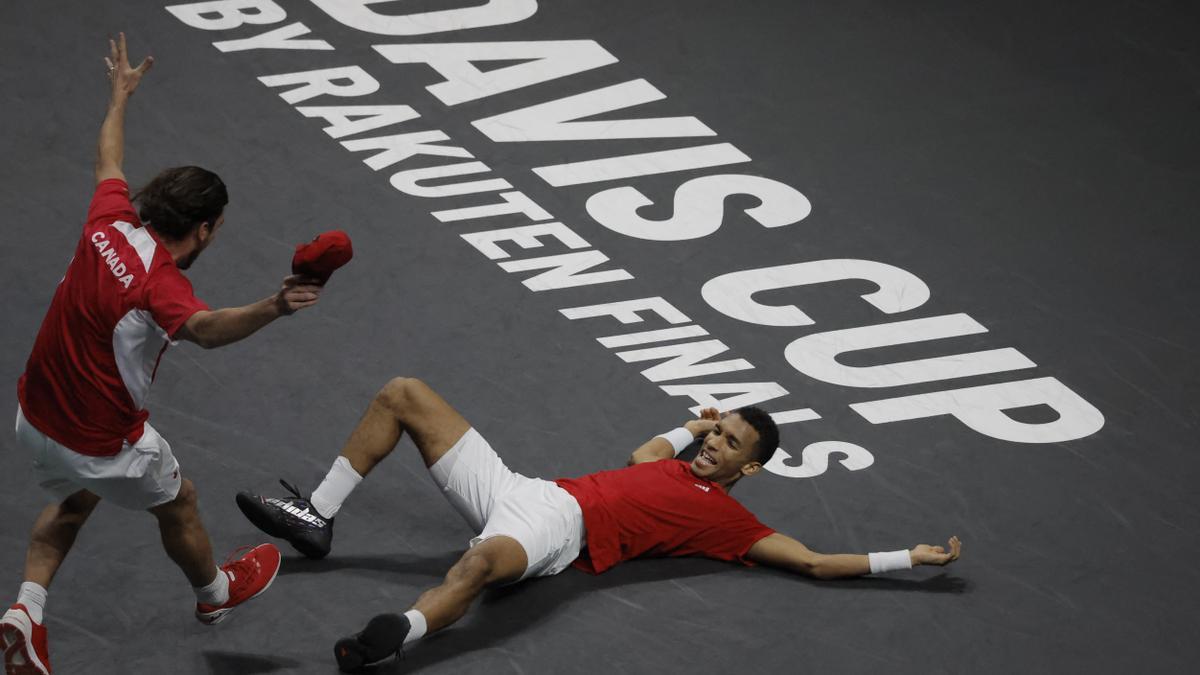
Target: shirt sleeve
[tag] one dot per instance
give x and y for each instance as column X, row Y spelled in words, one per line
column 111, row 202
column 732, row 539
column 752, row 537
column 170, row 299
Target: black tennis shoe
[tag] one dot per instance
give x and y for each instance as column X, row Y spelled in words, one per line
column 291, row 518
column 379, row 641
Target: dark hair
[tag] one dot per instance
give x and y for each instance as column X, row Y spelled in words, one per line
column 178, row 200
column 768, row 433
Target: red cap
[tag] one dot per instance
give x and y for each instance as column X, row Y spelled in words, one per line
column 321, row 256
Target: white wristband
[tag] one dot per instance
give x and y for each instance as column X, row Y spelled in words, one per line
column 889, row 561
column 679, row 438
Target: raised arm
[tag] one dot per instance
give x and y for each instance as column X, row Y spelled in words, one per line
column 781, row 551
column 110, row 151
column 224, row 326
column 660, row 447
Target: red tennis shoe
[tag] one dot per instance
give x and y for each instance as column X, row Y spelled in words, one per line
column 24, row 643
column 249, row 576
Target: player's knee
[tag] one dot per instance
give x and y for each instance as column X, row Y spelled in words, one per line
column 79, row 505
column 402, row 394
column 73, row 512
column 473, row 570
column 185, row 502
column 187, row 493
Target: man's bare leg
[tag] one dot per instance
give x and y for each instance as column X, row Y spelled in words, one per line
column 403, row 405
column 184, row 537
column 218, row 589
column 493, row 562
column 53, row 535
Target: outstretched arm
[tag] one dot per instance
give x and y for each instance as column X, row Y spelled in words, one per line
column 780, row 550
column 660, row 448
column 110, row 151
column 224, row 326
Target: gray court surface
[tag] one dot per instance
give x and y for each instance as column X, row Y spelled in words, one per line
column 1036, row 166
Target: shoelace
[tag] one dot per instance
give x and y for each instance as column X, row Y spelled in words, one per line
column 296, row 493
column 232, row 558
column 290, row 488
column 240, row 569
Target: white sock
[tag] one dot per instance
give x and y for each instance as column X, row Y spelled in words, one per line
column 33, row 596
column 417, row 619
column 338, row 484
column 216, row 593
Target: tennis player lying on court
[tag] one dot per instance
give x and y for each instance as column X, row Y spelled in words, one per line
column 529, row 527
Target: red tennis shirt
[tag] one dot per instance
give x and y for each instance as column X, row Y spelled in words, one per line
column 108, row 325
column 657, row 509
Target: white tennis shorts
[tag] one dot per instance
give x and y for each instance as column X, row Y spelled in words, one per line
column 544, row 518
column 141, row 476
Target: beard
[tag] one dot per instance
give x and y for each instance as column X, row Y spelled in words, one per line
column 185, row 263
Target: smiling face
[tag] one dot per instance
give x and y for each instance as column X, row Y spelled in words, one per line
column 728, row 452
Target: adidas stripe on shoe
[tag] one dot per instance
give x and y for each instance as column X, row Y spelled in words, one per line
column 290, row 518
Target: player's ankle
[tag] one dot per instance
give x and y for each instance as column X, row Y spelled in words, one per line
column 417, row 625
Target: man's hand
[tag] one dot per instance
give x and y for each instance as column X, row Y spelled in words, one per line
column 124, row 79
column 924, row 554
column 225, row 326
column 660, row 447
column 707, row 421
column 110, row 149
column 296, row 293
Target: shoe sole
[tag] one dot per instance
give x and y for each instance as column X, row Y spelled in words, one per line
column 254, row 510
column 350, row 654
column 19, row 658
column 213, row 618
